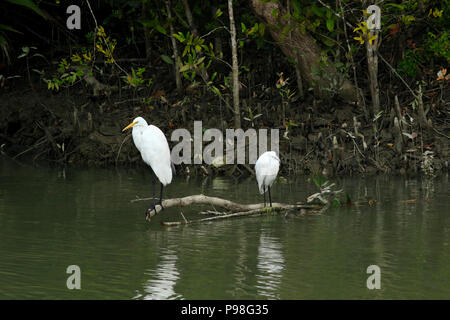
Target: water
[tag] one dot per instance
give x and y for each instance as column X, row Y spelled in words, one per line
column 53, row 218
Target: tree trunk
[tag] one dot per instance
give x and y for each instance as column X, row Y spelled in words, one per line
column 372, row 62
column 235, row 66
column 190, row 19
column 148, row 48
column 175, row 50
column 308, row 52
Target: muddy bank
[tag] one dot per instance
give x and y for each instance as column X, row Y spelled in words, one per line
column 74, row 127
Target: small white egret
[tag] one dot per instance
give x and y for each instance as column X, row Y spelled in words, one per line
column 152, row 144
column 266, row 168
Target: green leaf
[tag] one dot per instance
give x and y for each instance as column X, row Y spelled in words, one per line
column 166, row 59
column 275, row 13
column 398, row 6
column 159, row 28
column 185, row 68
column 328, row 42
column 30, row 5
column 319, row 180
column 216, row 91
column 39, row 56
column 8, row 28
column 317, row 11
column 262, row 28
column 179, row 36
column 330, row 24
column 219, row 13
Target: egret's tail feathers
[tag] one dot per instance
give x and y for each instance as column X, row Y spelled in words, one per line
column 164, row 174
column 266, row 182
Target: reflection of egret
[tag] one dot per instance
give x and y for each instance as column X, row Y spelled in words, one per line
column 266, row 169
column 152, row 144
column 270, row 265
column 165, row 277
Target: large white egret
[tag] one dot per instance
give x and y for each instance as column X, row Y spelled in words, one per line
column 152, row 144
column 266, row 168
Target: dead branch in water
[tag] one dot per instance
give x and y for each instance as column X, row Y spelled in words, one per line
column 233, row 209
column 223, row 216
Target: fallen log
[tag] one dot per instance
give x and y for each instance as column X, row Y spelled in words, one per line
column 233, row 209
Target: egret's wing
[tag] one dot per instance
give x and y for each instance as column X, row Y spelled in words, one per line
column 266, row 169
column 156, row 153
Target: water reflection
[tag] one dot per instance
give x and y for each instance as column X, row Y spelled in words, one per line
column 50, row 219
column 161, row 285
column 270, row 266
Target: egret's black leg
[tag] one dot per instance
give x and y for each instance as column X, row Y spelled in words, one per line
column 160, row 196
column 264, row 196
column 153, row 187
column 270, row 198
column 153, row 207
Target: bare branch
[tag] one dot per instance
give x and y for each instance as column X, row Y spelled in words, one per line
column 230, row 206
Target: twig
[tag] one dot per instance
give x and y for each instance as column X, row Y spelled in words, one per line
column 107, row 45
column 222, row 27
column 218, row 213
column 38, row 143
column 185, row 220
column 143, row 199
column 120, row 148
column 225, row 216
column 336, row 14
column 396, row 73
column 440, row 133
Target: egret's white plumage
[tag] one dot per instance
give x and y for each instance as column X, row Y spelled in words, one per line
column 266, row 169
column 152, row 144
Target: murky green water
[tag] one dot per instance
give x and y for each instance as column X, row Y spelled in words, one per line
column 53, row 218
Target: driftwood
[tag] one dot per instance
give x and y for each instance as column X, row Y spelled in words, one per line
column 233, row 209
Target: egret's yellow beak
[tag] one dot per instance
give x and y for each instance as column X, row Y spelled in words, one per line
column 129, row 126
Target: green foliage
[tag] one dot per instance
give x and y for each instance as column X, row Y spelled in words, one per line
column 252, row 117
column 319, row 180
column 30, row 5
column 66, row 76
column 4, row 45
column 197, row 55
column 68, row 73
column 27, row 53
column 310, row 16
column 326, row 195
column 282, row 85
column 439, row 45
column 410, row 63
column 136, row 78
column 105, row 45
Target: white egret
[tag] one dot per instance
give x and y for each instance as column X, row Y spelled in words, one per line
column 266, row 168
column 152, row 144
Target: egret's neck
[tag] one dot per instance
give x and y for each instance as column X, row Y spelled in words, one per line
column 137, row 135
